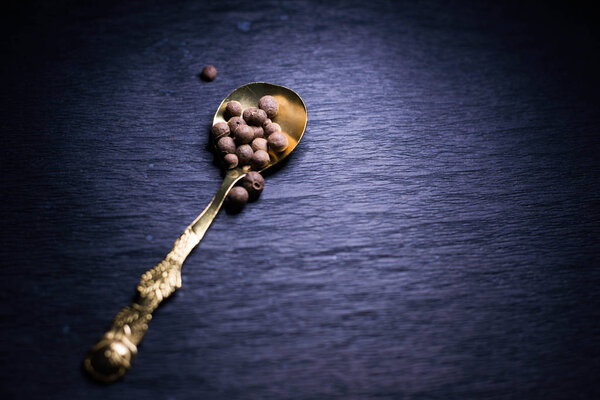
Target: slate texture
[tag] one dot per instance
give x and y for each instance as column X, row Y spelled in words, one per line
column 434, row 236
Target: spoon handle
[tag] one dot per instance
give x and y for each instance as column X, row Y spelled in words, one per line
column 111, row 357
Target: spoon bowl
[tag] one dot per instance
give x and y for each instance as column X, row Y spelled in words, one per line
column 292, row 115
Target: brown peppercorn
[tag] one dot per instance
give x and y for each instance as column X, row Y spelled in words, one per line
column 234, row 123
column 231, row 160
column 254, row 183
column 259, row 132
column 244, row 134
column 238, row 196
column 209, row 73
column 267, row 122
column 219, row 130
column 244, row 154
column 233, row 109
column 259, row 144
column 226, row 145
column 259, row 160
column 269, row 105
column 273, row 127
column 254, row 116
column 278, row 142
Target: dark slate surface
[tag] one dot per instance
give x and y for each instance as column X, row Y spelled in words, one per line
column 435, row 235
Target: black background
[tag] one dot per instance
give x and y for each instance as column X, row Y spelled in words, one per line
column 435, row 234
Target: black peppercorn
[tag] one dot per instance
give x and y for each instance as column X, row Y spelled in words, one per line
column 244, row 134
column 259, row 160
column 219, row 130
column 273, row 127
column 278, row 142
column 231, row 160
column 238, row 197
column 244, row 154
column 209, row 73
column 269, row 105
column 233, row 109
column 254, row 116
column 254, row 183
column 259, row 144
column 226, row 145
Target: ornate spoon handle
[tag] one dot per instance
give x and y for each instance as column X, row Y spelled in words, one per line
column 111, row 357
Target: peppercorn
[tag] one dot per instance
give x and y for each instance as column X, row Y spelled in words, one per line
column 267, row 122
column 231, row 160
column 273, row 127
column 234, row 123
column 226, row 145
column 259, row 144
column 254, row 183
column 259, row 132
column 269, row 105
column 238, row 197
column 209, row 73
column 254, row 116
column 259, row 160
column 278, row 142
column 244, row 134
column 244, row 154
column 233, row 109
column 219, row 130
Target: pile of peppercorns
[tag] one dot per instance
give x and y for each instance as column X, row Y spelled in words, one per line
column 245, row 140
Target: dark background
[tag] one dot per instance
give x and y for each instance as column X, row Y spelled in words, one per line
column 434, row 236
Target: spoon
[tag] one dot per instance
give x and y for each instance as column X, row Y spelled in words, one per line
column 112, row 356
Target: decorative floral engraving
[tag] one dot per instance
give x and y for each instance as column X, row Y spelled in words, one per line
column 111, row 357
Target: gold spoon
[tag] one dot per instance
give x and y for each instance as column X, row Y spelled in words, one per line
column 111, row 357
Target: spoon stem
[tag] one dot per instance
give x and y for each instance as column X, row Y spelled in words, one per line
column 203, row 221
column 112, row 356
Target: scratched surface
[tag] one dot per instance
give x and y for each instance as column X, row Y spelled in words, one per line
column 434, row 236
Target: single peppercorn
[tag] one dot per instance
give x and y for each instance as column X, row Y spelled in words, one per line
column 254, row 183
column 259, row 132
column 278, row 142
column 273, row 127
column 269, row 105
column 244, row 134
column 259, row 160
column 244, row 154
column 254, row 116
column 233, row 109
column 219, row 130
column 259, row 144
column 238, row 197
column 226, row 145
column 231, row 160
column 267, row 122
column 209, row 73
column 234, row 123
